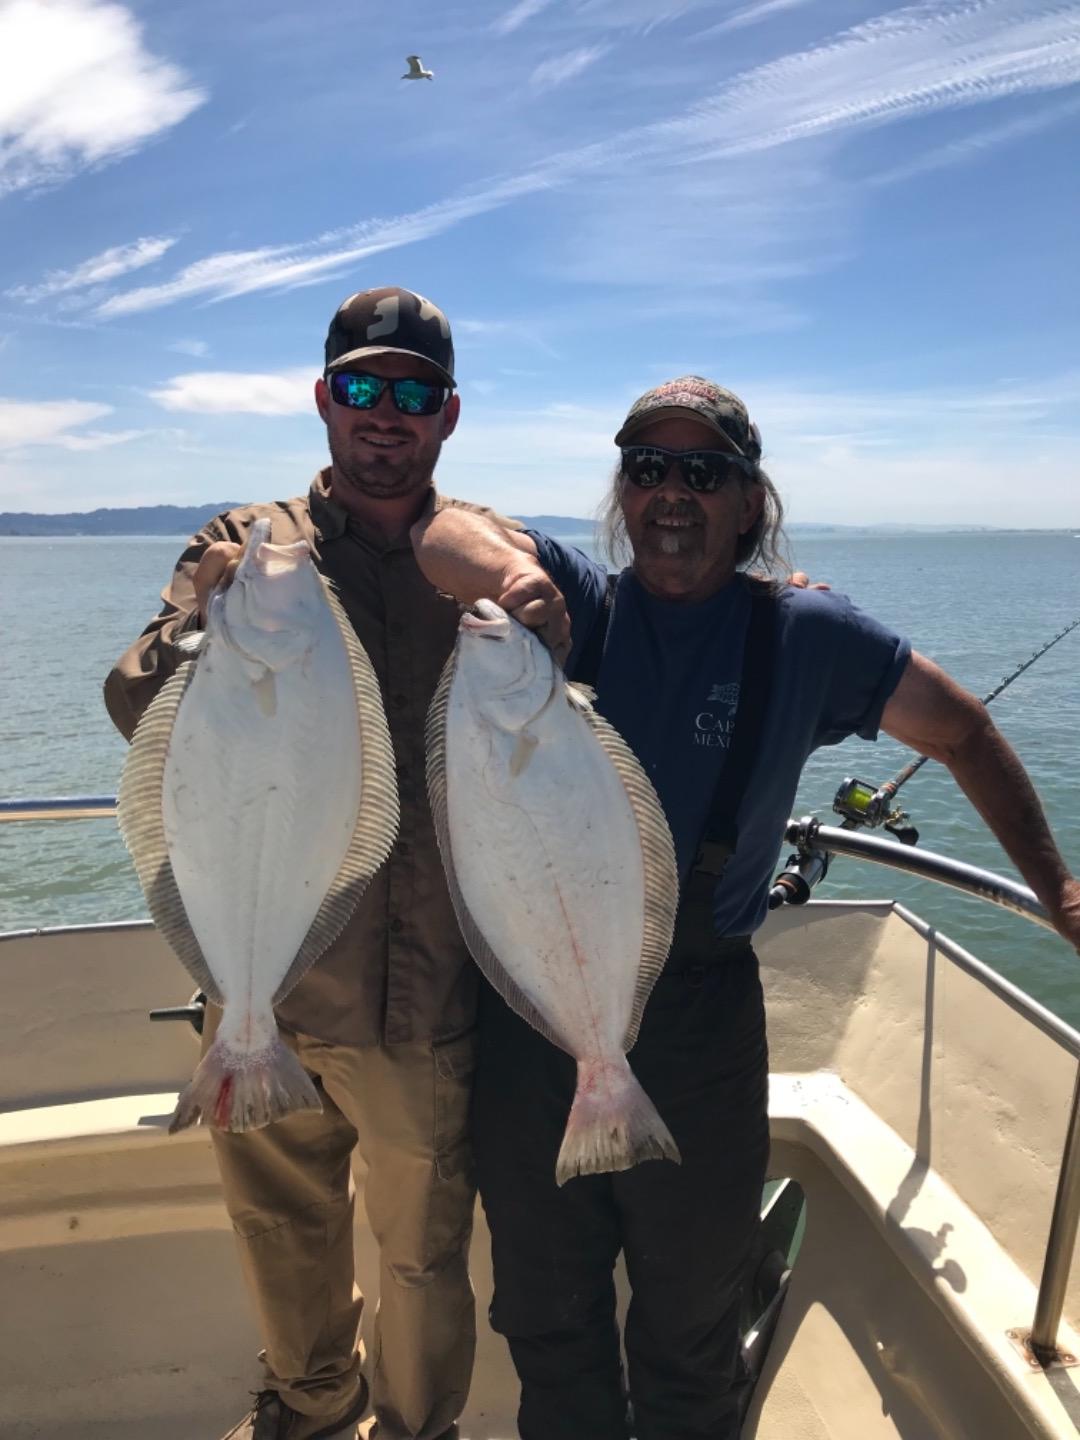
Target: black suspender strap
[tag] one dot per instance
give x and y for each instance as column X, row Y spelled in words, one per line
column 694, row 943
column 721, row 829
column 587, row 666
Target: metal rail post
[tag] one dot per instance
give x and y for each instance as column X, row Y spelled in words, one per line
column 1061, row 1241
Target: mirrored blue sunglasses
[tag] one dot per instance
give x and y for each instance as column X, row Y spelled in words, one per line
column 361, row 392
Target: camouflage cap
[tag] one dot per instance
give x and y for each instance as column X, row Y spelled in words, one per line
column 717, row 407
column 387, row 321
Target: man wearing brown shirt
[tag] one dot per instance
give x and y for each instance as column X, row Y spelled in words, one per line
column 384, row 1021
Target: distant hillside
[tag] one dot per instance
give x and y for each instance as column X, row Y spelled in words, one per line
column 186, row 519
column 138, row 520
column 558, row 524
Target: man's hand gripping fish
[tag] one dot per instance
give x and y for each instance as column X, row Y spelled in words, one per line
column 257, row 801
column 561, row 869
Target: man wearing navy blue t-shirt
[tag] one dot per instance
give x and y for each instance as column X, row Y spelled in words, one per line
column 723, row 685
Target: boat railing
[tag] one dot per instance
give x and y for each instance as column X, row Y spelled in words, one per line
column 1040, row 1343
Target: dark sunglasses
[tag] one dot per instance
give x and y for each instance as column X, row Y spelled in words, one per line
column 362, row 392
column 703, row 471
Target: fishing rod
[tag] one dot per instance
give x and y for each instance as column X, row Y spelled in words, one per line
column 862, row 806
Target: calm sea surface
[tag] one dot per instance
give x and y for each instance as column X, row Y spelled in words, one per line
column 977, row 604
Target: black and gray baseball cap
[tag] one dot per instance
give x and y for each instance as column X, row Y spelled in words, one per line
column 717, row 407
column 389, row 321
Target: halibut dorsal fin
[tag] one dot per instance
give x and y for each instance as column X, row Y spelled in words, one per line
column 658, row 856
column 580, row 696
column 140, row 817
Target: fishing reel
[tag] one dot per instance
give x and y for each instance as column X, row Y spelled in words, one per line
column 862, row 805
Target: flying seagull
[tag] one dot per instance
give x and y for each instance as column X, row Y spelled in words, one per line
column 416, row 70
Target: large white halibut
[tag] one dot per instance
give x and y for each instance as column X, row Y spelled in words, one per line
column 258, row 799
column 561, row 868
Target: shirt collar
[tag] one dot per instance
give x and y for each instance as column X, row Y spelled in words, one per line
column 328, row 517
column 331, row 520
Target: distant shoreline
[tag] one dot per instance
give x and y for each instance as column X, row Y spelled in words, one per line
column 157, row 521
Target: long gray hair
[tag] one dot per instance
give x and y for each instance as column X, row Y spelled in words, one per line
column 764, row 545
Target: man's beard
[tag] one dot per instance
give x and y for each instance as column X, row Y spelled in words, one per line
column 384, row 477
column 673, row 542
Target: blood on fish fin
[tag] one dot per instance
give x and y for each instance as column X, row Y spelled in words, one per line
column 658, row 853
column 139, row 813
column 613, row 1124
column 377, row 818
column 478, row 947
column 522, row 752
column 244, row 1092
column 582, row 697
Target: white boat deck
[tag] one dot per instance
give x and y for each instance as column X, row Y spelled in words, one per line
column 922, row 1116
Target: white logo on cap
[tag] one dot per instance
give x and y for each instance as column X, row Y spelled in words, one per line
column 387, row 312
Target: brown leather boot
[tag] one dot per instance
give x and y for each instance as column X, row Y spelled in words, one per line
column 271, row 1419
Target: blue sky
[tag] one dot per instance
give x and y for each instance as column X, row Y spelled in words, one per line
column 865, row 218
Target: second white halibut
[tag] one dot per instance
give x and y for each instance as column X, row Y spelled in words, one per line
column 561, row 868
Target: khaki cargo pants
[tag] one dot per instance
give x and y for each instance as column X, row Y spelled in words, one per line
column 289, row 1192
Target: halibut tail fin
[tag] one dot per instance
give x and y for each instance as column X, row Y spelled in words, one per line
column 231, row 1091
column 613, row 1124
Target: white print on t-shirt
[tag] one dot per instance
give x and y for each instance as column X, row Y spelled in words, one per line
column 713, row 727
column 726, row 694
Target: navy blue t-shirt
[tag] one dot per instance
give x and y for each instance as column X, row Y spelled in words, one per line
column 669, row 683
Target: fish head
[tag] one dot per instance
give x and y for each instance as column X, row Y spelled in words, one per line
column 275, row 599
column 510, row 671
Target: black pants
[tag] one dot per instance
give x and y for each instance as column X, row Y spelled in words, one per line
column 685, row 1229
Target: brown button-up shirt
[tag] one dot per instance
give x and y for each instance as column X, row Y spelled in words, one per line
column 400, row 970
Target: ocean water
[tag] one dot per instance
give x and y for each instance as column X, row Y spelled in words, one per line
column 979, row 604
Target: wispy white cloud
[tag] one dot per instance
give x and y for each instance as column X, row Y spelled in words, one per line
column 561, row 68
column 77, row 87
column 551, row 459
column 914, row 60
column 753, row 15
column 98, row 439
column 228, row 392
column 981, row 142
column 518, row 15
column 1009, row 413
column 837, row 454
column 198, row 349
column 731, row 223
column 963, row 483
column 911, row 61
column 284, row 267
column 641, row 15
column 109, row 265
column 57, row 422
column 467, row 326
